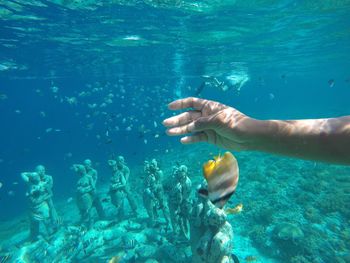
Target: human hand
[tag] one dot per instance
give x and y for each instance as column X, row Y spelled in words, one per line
column 210, row 122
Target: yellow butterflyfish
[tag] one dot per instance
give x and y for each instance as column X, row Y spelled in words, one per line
column 222, row 176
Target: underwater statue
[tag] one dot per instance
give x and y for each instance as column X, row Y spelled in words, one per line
column 211, row 234
column 85, row 194
column 119, row 187
column 179, row 201
column 96, row 202
column 38, row 196
column 153, row 195
column 48, row 182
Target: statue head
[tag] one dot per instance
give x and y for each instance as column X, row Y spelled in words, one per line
column 79, row 169
column 182, row 172
column 153, row 165
column 40, row 169
column 217, row 217
column 112, row 164
column 120, row 161
column 88, row 164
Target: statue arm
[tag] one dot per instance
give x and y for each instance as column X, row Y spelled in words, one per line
column 127, row 172
column 121, row 184
column 49, row 182
column 25, row 176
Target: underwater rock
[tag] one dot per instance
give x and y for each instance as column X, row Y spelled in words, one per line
column 133, row 226
column 154, row 236
column 146, row 251
column 288, row 239
column 177, row 254
column 101, row 225
column 288, row 232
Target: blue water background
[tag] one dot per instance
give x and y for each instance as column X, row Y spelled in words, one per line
column 297, row 75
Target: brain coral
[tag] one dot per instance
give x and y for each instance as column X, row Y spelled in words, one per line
column 288, row 232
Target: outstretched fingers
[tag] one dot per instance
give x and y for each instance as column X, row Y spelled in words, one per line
column 182, row 119
column 198, row 137
column 190, row 102
column 198, row 125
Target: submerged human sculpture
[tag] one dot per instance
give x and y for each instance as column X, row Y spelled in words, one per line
column 119, row 187
column 38, row 196
column 85, row 194
column 48, row 183
column 153, row 195
column 96, row 202
column 211, row 233
column 179, row 200
column 117, row 182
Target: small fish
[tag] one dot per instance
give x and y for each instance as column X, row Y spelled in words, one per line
column 48, row 130
column 129, row 243
column 222, row 176
column 331, row 83
column 11, row 193
column 3, row 96
column 105, row 200
column 15, row 183
column 68, row 155
column 69, row 200
column 54, row 89
column 117, row 258
column 108, row 141
column 235, row 210
column 1, row 185
column 250, row 258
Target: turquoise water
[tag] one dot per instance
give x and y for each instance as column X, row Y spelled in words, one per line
column 85, row 79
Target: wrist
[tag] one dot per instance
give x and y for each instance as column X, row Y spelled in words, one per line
column 255, row 133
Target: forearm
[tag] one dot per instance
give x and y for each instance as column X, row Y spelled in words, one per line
column 320, row 139
column 25, row 176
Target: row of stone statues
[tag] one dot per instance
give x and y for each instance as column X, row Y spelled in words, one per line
column 190, row 218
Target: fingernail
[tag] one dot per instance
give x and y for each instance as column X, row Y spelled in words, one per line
column 165, row 122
